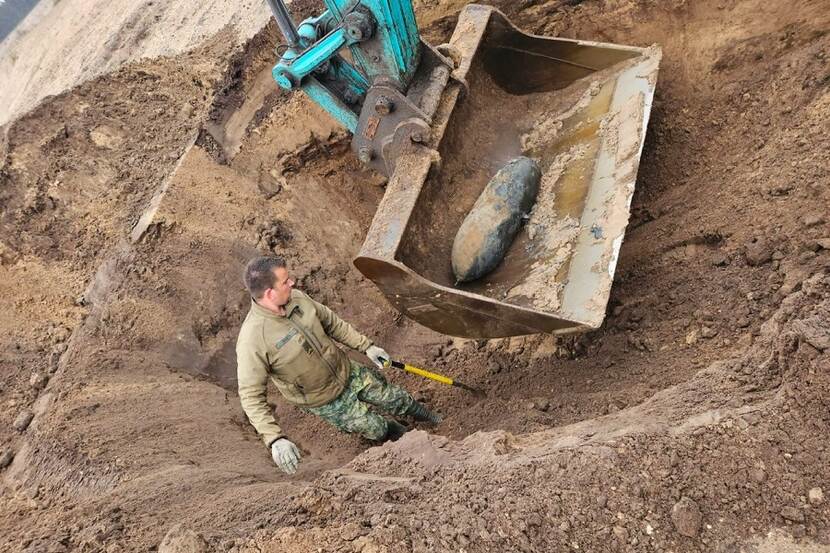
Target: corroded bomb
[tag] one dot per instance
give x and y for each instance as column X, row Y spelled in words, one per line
column 490, row 226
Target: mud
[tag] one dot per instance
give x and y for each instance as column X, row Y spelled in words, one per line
column 692, row 420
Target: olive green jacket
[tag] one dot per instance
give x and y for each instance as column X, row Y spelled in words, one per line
column 299, row 354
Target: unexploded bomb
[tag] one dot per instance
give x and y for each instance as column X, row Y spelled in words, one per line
column 490, row 226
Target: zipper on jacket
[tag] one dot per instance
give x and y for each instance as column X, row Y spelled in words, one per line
column 316, row 348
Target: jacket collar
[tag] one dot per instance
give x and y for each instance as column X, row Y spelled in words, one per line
column 268, row 314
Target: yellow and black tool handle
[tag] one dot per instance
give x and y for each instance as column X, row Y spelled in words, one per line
column 428, row 374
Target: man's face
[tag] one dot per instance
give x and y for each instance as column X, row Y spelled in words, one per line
column 280, row 293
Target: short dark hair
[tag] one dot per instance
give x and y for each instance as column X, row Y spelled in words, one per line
column 259, row 274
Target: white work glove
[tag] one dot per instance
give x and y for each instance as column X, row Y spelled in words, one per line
column 285, row 455
column 375, row 354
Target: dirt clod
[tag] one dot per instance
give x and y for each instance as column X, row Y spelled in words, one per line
column 813, row 219
column 814, row 332
column 620, row 533
column 38, row 380
column 6, row 458
column 180, row 539
column 757, row 475
column 687, row 517
column 22, row 421
column 758, row 251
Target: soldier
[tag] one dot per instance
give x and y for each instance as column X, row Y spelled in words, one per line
column 291, row 338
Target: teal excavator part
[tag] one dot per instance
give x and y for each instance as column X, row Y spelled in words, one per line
column 383, row 43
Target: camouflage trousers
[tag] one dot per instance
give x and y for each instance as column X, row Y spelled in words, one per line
column 350, row 412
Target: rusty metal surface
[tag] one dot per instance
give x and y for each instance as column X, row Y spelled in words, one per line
column 384, row 133
column 581, row 108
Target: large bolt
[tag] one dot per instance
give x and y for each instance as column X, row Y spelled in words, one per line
column 358, row 26
column 355, row 33
column 384, row 106
column 365, row 154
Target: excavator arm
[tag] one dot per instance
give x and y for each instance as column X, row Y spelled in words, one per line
column 365, row 64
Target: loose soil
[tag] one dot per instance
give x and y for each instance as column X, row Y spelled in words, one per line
column 693, row 420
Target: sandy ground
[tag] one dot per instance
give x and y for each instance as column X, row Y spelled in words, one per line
column 63, row 43
column 693, row 420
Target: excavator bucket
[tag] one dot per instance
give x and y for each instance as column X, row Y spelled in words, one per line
column 580, row 109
